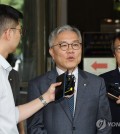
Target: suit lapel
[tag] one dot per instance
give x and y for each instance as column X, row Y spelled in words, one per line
column 64, row 102
column 82, row 84
column 65, row 106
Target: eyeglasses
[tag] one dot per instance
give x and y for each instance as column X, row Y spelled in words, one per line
column 117, row 49
column 20, row 30
column 64, row 45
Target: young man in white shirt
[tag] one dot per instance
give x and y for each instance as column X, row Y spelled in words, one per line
column 10, row 34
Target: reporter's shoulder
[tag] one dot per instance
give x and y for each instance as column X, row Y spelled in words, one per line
column 40, row 77
column 107, row 73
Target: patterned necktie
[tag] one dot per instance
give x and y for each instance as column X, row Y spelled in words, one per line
column 71, row 104
column 71, row 99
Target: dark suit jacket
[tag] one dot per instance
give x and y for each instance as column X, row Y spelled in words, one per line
column 15, row 85
column 113, row 77
column 55, row 118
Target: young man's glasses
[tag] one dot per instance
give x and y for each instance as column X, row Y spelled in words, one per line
column 20, row 30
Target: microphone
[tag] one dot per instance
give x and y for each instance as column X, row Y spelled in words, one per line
column 71, row 89
column 67, row 86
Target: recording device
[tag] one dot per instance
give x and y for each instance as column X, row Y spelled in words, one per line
column 114, row 91
column 67, row 86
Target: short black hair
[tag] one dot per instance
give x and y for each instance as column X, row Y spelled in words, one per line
column 8, row 16
column 10, row 12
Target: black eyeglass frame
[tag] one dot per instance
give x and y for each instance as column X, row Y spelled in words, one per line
column 20, row 29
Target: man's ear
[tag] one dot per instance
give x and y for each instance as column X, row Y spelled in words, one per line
column 114, row 55
column 7, row 34
column 51, row 53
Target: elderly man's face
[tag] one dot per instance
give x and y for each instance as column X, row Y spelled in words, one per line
column 70, row 58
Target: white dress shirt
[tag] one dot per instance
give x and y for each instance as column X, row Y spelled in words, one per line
column 119, row 69
column 75, row 73
column 9, row 114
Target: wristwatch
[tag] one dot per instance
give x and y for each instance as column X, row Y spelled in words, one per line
column 43, row 100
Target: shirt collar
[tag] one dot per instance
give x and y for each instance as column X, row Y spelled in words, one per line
column 5, row 64
column 119, row 69
column 75, row 71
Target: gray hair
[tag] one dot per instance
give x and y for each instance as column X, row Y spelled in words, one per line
column 58, row 30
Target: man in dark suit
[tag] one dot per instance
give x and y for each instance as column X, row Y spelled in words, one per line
column 91, row 106
column 113, row 78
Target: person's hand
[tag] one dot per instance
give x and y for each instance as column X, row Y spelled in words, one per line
column 49, row 95
column 118, row 101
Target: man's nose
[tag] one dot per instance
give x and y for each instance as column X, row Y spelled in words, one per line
column 70, row 48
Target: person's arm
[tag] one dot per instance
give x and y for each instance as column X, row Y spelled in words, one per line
column 35, row 124
column 28, row 109
column 104, row 114
column 21, row 127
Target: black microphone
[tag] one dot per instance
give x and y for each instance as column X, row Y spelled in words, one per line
column 67, row 86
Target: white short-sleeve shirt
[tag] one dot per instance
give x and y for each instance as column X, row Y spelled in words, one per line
column 9, row 114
